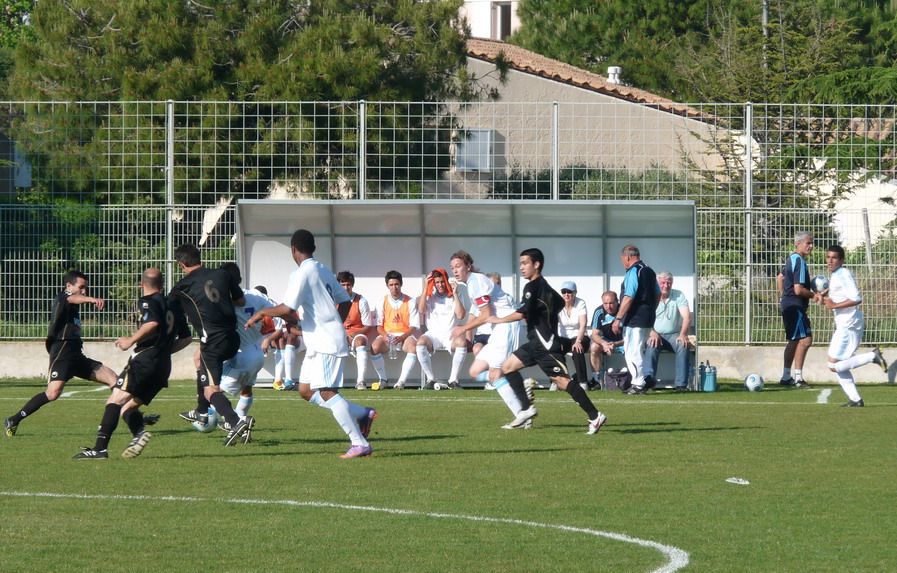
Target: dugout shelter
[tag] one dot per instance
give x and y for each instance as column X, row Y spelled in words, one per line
column 581, row 240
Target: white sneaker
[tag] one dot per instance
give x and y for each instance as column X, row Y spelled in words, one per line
column 488, row 386
column 398, row 385
column 360, row 386
column 595, row 425
column 528, row 425
column 553, row 388
column 523, row 416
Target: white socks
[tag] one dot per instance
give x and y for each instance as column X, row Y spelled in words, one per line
column 346, row 414
column 845, row 379
column 289, row 353
column 361, row 362
column 407, row 366
column 379, row 365
column 854, row 362
column 278, row 364
column 458, row 357
column 243, row 405
column 425, row 361
column 507, row 394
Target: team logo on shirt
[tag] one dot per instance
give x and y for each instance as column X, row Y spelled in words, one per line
column 54, row 375
column 527, row 294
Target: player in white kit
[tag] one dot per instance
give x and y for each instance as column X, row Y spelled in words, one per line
column 844, row 298
column 325, row 305
column 490, row 300
column 239, row 373
column 441, row 307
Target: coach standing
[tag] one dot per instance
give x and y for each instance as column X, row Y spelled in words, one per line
column 638, row 301
column 795, row 292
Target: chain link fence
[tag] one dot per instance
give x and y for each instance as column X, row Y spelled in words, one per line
column 110, row 187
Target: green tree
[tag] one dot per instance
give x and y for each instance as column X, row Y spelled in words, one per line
column 14, row 18
column 247, row 51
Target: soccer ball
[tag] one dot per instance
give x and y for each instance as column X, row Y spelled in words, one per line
column 753, row 383
column 211, row 423
column 820, row 283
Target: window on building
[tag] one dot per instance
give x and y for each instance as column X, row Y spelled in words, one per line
column 501, row 20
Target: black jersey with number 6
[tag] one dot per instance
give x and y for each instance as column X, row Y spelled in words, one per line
column 207, row 296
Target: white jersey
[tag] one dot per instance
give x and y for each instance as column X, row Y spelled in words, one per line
column 255, row 301
column 441, row 313
column 568, row 324
column 842, row 286
column 314, row 289
column 482, row 291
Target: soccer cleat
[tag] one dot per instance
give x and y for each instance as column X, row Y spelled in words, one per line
column 488, row 386
column 683, row 389
column 851, row 404
column 879, row 359
column 357, row 452
column 288, row 385
column 529, row 385
column 430, row 385
column 223, row 425
column 137, row 444
column 11, row 427
column 291, row 388
column 365, row 422
column 454, row 385
column 801, row 384
column 528, row 425
column 523, row 416
column 398, row 385
column 360, row 385
column 277, row 384
column 150, row 419
column 91, row 454
column 553, row 388
column 635, row 390
column 194, row 416
column 786, row 382
column 650, row 382
column 595, row 425
column 244, row 426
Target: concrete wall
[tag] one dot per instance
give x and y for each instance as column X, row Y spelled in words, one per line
column 29, row 359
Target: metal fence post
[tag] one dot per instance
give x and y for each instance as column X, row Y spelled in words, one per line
column 362, row 150
column 748, row 212
column 555, row 153
column 169, row 195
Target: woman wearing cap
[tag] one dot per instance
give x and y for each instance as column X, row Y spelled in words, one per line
column 572, row 324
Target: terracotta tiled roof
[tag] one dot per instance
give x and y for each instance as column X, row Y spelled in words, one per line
column 532, row 63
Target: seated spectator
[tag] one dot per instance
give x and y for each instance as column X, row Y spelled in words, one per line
column 572, row 323
column 442, row 310
column 603, row 339
column 360, row 327
column 398, row 323
column 671, row 324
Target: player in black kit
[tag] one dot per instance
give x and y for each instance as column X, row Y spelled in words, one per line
column 161, row 330
column 544, row 346
column 65, row 346
column 207, row 297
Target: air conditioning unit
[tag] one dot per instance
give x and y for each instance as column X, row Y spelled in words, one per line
column 475, row 150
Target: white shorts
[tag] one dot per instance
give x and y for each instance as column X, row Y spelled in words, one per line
column 440, row 340
column 322, row 371
column 504, row 340
column 845, row 342
column 241, row 370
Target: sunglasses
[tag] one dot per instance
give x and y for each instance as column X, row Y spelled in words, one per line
column 565, row 291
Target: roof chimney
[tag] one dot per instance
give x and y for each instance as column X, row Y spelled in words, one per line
column 613, row 74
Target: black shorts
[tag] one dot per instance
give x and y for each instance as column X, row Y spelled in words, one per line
column 797, row 323
column 213, row 353
column 67, row 361
column 552, row 363
column 481, row 339
column 145, row 375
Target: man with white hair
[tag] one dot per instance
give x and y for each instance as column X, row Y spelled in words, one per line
column 635, row 317
column 793, row 283
column 672, row 320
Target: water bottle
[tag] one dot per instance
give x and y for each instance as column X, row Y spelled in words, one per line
column 702, row 372
column 392, row 349
column 710, row 378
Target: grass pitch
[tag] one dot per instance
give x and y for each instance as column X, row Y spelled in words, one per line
column 448, row 490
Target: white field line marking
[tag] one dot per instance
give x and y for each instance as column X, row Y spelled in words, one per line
column 73, row 392
column 823, row 396
column 676, row 558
